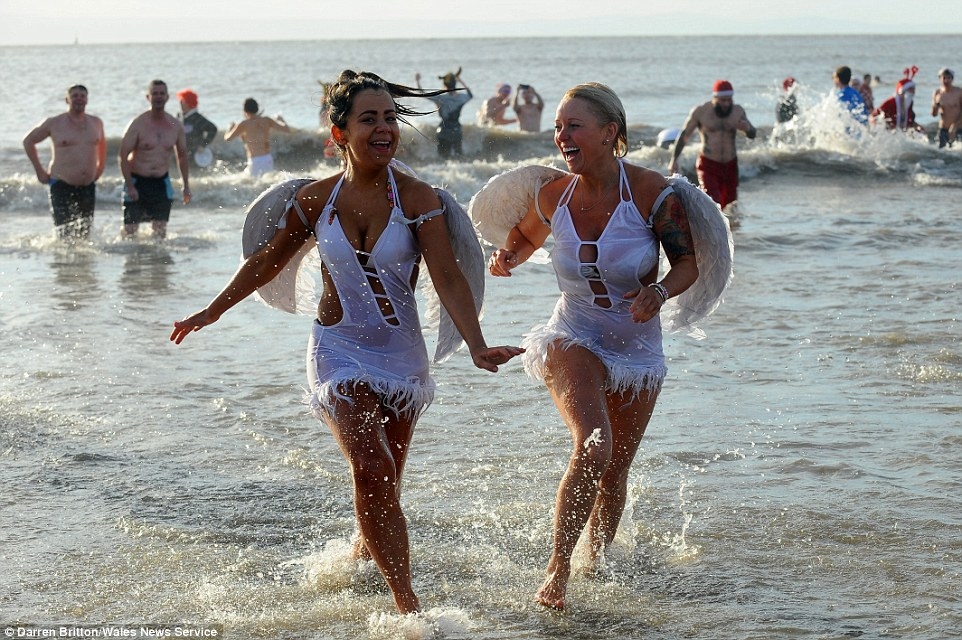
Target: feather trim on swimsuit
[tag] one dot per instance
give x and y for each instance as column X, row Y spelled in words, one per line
column 620, row 377
column 401, row 398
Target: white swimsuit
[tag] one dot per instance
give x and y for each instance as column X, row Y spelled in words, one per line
column 378, row 340
column 593, row 277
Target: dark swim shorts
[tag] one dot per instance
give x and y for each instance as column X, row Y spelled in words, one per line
column 156, row 197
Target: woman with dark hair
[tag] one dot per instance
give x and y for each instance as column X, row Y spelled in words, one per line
column 367, row 361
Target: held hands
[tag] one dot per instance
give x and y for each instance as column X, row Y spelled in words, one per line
column 490, row 357
column 190, row 324
column 502, row 262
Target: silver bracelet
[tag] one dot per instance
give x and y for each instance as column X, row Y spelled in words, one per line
column 660, row 290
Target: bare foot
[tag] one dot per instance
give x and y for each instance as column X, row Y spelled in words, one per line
column 552, row 592
column 407, row 603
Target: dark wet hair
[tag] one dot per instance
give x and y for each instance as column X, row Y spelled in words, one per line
column 341, row 94
column 155, row 83
column 250, row 106
column 77, row 86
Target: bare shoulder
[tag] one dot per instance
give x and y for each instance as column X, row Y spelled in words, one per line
column 416, row 196
column 314, row 195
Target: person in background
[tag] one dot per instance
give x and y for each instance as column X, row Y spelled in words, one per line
column 492, row 113
column 145, row 153
column 78, row 157
column 199, row 130
column 865, row 90
column 897, row 111
column 529, row 111
column 717, row 121
column 850, row 98
column 600, row 355
column 947, row 106
column 367, row 360
column 787, row 109
column 255, row 132
column 449, row 103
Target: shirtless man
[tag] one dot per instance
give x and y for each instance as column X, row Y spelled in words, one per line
column 529, row 111
column 255, row 133
column 947, row 105
column 494, row 108
column 79, row 154
column 144, row 162
column 717, row 121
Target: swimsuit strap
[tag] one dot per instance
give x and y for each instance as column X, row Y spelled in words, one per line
column 567, row 194
column 537, row 205
column 667, row 191
column 424, row 217
column 297, row 209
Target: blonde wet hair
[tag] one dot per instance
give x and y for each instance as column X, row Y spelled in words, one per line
column 607, row 107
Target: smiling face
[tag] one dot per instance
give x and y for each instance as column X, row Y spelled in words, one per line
column 77, row 100
column 371, row 132
column 579, row 134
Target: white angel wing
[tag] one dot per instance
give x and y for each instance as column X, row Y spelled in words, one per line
column 714, row 251
column 293, row 288
column 506, row 198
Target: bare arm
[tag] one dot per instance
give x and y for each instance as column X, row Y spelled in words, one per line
column 670, row 224
column 233, row 130
column 278, row 123
column 690, row 125
column 523, row 240
column 180, row 150
column 746, row 126
column 39, row 133
column 127, row 144
column 452, row 287
column 256, row 271
column 101, row 151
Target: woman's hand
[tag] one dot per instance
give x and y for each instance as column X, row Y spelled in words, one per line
column 646, row 304
column 190, row 324
column 490, row 357
column 502, row 262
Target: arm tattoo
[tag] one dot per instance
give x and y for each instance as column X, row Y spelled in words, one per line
column 670, row 224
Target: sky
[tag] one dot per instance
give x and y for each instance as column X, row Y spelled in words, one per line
column 33, row 22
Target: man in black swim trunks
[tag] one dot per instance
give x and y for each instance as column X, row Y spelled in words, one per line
column 78, row 156
column 144, row 158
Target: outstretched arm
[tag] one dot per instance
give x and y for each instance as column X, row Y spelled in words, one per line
column 256, row 271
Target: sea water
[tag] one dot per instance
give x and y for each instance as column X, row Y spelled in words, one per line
column 800, row 478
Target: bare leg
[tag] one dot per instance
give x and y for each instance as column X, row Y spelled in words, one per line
column 629, row 417
column 362, row 429
column 160, row 228
column 130, row 230
column 576, row 380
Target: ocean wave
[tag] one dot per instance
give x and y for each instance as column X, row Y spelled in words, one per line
column 814, row 145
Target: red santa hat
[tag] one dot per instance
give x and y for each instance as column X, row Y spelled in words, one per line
column 908, row 82
column 722, row 89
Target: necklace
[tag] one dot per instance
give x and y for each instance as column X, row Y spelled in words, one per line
column 603, row 195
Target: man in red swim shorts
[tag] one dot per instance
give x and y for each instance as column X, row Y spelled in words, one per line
column 717, row 121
